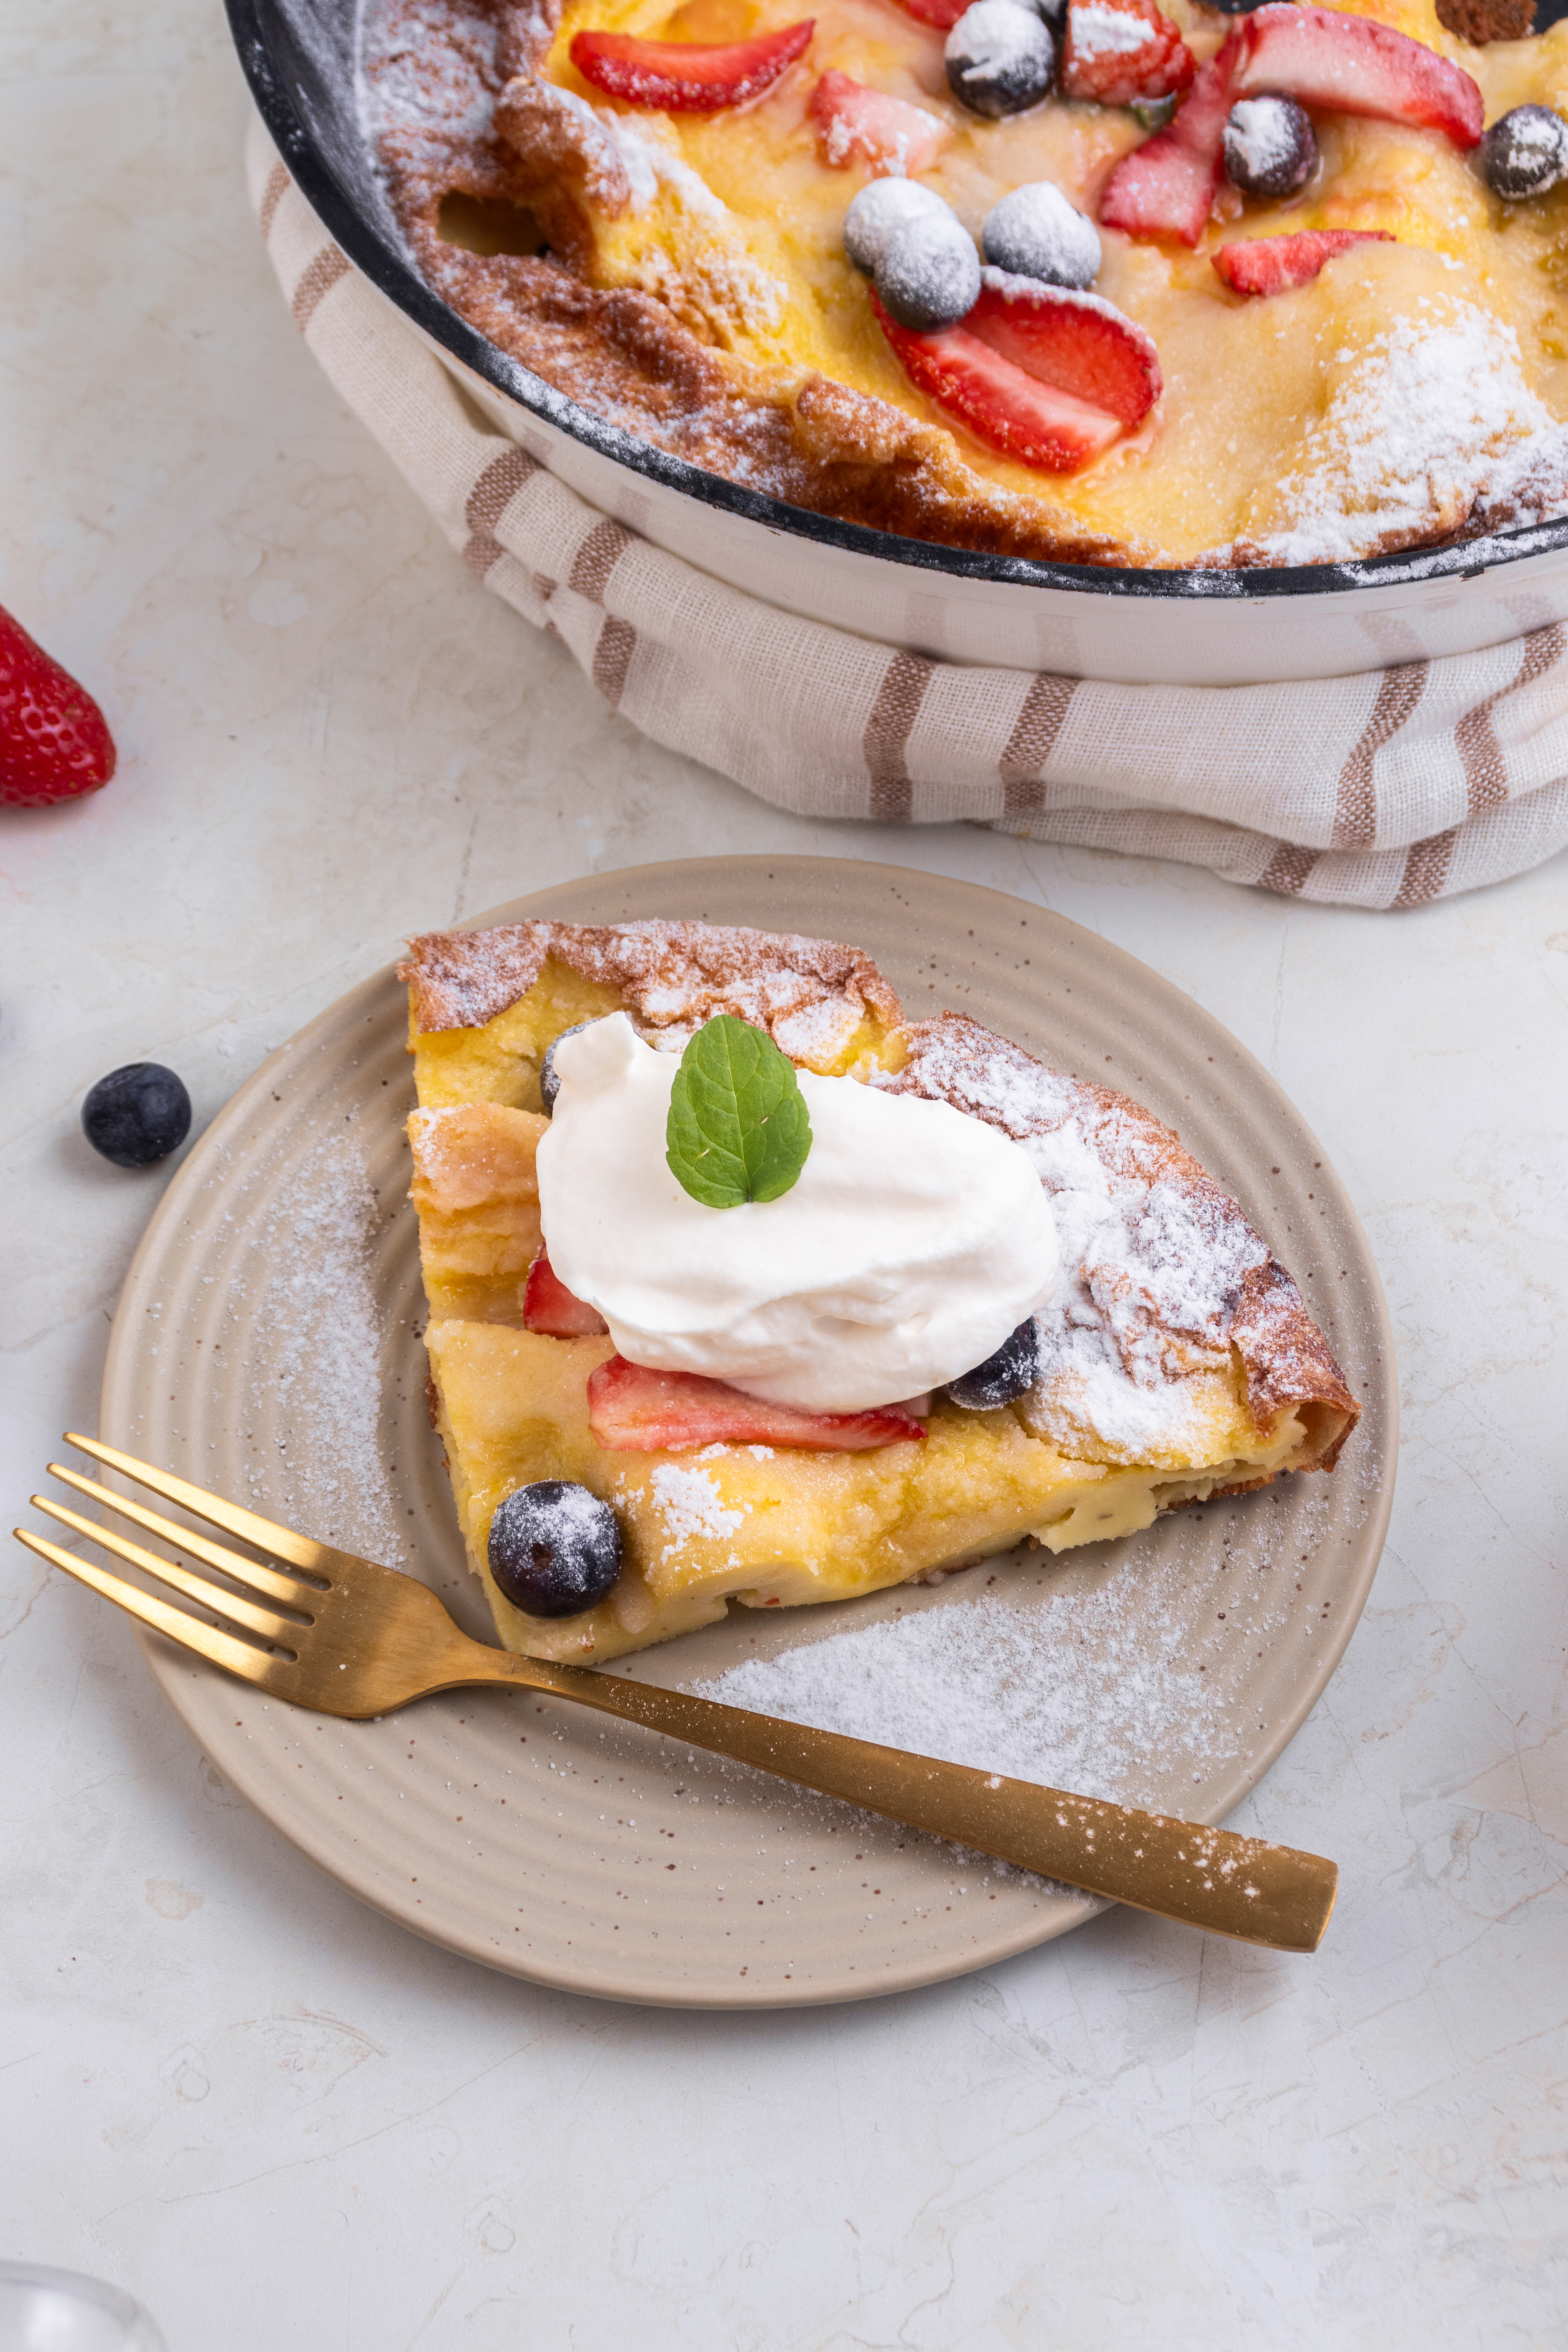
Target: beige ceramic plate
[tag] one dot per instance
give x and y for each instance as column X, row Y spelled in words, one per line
column 267, row 1344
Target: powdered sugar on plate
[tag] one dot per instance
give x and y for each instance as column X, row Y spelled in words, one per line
column 1094, row 1687
column 1081, row 1691
column 318, row 1340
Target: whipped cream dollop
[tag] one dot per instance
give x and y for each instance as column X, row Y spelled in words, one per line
column 913, row 1242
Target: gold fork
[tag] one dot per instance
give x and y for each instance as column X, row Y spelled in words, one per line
column 347, row 1637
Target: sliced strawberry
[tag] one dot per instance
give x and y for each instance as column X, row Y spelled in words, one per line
column 549, row 1307
column 54, row 742
column 857, row 125
column 634, row 1410
column 1049, row 376
column 688, row 77
column 998, row 401
column 1353, row 63
column 1317, row 56
column 1165, row 187
column 943, row 13
column 1276, row 264
column 1120, row 50
column 1076, row 343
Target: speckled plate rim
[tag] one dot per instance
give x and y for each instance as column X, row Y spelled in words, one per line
column 702, row 881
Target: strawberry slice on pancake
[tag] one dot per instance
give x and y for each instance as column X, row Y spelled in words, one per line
column 859, row 125
column 1044, row 374
column 1166, row 187
column 1120, row 50
column 1353, row 64
column 549, row 1307
column 1278, row 264
column 1316, row 56
column 1079, row 343
column 942, row 13
column 688, row 77
column 634, row 1410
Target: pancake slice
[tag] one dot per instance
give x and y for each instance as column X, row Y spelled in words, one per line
column 1179, row 1361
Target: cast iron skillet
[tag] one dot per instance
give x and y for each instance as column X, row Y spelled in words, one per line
column 299, row 57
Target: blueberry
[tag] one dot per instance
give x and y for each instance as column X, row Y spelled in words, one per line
column 549, row 1084
column 1000, row 57
column 881, row 206
column 1270, row 147
column 929, row 273
column 1035, row 233
column 1525, row 153
column 1238, row 8
column 555, row 1548
column 137, row 1115
column 1002, row 1376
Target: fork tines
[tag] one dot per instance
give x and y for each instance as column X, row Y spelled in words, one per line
column 238, row 1609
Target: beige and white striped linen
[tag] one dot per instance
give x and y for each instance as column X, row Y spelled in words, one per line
column 1385, row 790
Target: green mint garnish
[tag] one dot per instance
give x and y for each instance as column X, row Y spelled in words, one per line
column 738, row 1127
column 1153, row 113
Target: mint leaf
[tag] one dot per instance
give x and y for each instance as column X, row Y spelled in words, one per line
column 1153, row 113
column 738, row 1127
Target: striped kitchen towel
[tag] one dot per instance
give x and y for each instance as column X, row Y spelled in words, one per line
column 1383, row 790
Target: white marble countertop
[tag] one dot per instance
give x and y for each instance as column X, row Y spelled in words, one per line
column 275, row 2116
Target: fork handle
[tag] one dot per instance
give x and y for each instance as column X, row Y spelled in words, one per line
column 1210, row 1878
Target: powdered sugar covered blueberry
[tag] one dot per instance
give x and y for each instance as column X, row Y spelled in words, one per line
column 1000, row 57
column 1269, row 146
column 554, row 1549
column 881, row 206
column 1034, row 232
column 928, row 275
column 1525, row 153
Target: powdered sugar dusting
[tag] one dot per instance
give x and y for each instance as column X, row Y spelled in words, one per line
column 715, row 287
column 318, row 1341
column 1154, row 1279
column 1104, row 1688
column 1418, row 427
column 1154, row 1256
column 673, row 976
column 1081, row 1691
column 716, row 284
column 842, row 143
column 689, row 1503
column 1262, row 132
column 1101, row 32
column 650, row 165
column 999, row 36
column 427, row 68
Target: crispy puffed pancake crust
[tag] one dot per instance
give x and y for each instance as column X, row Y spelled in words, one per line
column 1179, row 1362
column 1285, row 1360
column 661, row 366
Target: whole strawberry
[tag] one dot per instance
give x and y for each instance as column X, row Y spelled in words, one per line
column 54, row 743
